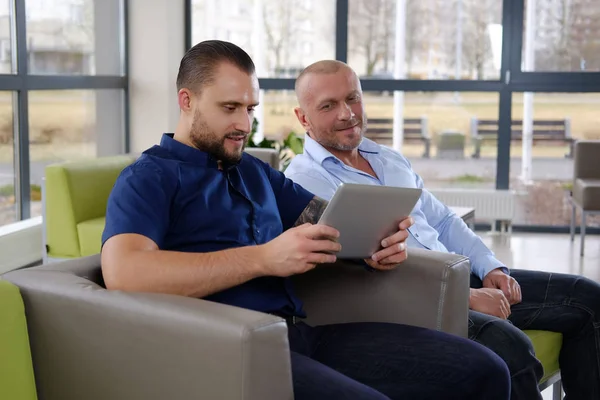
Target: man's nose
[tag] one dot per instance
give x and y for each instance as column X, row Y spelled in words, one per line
column 346, row 112
column 243, row 123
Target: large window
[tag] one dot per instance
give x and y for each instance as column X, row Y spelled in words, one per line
column 282, row 37
column 62, row 65
column 440, row 39
column 543, row 200
column 565, row 36
column 8, row 211
column 470, row 80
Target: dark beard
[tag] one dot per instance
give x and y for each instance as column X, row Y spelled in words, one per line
column 203, row 139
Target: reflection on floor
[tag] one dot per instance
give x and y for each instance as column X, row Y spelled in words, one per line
column 547, row 252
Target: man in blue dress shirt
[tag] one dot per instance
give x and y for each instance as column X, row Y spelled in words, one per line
column 331, row 110
column 195, row 216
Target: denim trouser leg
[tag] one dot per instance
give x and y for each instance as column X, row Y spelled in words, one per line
column 563, row 303
column 391, row 361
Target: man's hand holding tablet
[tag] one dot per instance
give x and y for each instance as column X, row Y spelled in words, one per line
column 393, row 248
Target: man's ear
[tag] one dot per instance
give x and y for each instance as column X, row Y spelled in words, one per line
column 184, row 97
column 301, row 118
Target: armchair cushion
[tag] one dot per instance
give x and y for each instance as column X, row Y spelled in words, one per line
column 586, row 192
column 547, row 347
column 90, row 235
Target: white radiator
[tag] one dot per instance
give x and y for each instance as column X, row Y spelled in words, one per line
column 489, row 204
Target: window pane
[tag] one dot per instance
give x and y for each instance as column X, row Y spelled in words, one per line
column 72, row 125
column 282, row 37
column 74, row 37
column 545, row 199
column 5, row 38
column 565, row 36
column 279, row 115
column 8, row 209
column 434, row 33
column 443, row 119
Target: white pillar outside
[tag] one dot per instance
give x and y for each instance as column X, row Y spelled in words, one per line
column 258, row 56
column 399, row 73
column 529, row 62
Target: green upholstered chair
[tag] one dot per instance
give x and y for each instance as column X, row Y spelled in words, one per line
column 547, row 347
column 16, row 370
column 75, row 196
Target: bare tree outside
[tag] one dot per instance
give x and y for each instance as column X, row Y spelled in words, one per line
column 286, row 24
column 567, row 35
column 370, row 32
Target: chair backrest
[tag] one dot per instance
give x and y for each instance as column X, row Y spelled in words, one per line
column 270, row 156
column 75, row 192
column 16, row 370
column 587, row 159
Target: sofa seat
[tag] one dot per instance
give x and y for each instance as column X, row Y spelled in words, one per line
column 547, row 347
column 90, row 235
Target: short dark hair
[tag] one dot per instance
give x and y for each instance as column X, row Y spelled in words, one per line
column 198, row 65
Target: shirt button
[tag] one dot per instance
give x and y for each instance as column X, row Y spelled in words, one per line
column 416, row 235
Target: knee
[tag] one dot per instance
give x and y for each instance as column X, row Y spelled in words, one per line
column 586, row 294
column 511, row 344
column 491, row 376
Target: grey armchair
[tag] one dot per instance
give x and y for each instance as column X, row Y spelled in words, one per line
column 586, row 184
column 91, row 343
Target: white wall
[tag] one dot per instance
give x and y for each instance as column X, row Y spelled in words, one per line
column 157, row 44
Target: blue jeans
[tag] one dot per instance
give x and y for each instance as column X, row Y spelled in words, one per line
column 389, row 361
column 563, row 303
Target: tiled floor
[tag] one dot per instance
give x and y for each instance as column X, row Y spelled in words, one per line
column 547, row 252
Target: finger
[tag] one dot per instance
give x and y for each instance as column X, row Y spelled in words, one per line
column 321, row 258
column 393, row 261
column 397, row 237
column 406, row 223
column 320, row 231
column 506, row 308
column 516, row 293
column 389, row 251
column 323, row 245
column 505, row 286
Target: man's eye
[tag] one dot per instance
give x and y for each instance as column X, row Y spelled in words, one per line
column 230, row 108
column 251, row 109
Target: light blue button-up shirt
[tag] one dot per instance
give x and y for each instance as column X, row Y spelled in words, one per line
column 436, row 227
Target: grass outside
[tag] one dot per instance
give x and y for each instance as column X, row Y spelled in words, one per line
column 447, row 112
column 62, row 122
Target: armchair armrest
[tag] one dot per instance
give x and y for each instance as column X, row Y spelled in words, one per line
column 430, row 289
column 90, row 343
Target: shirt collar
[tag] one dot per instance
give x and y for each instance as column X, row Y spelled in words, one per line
column 189, row 154
column 320, row 153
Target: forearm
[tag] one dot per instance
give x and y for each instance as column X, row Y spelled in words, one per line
column 459, row 238
column 181, row 273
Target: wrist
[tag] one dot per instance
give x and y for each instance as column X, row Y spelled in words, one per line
column 258, row 260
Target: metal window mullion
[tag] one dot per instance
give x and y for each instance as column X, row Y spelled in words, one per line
column 21, row 113
column 341, row 30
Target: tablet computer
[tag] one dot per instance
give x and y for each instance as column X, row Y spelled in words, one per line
column 366, row 214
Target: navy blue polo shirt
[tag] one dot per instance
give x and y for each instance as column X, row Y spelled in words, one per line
column 177, row 196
